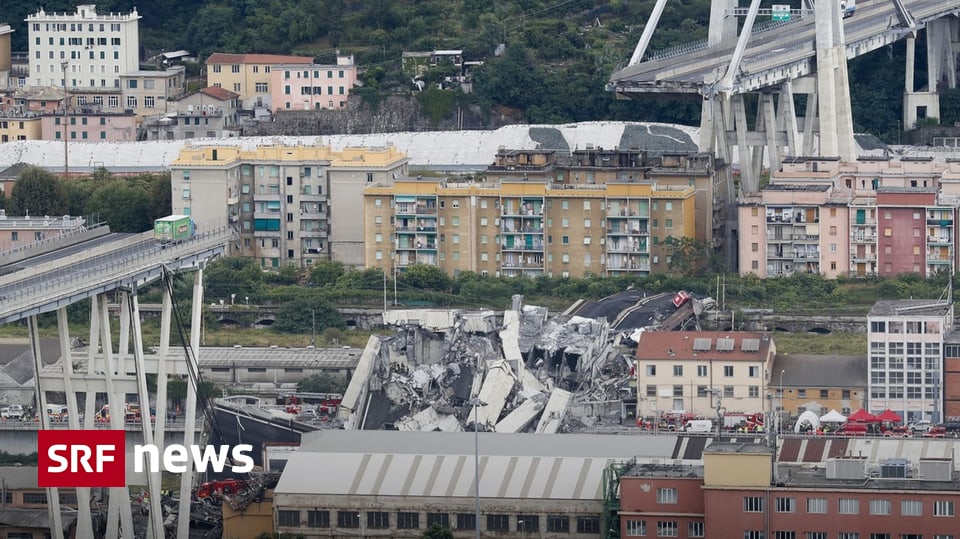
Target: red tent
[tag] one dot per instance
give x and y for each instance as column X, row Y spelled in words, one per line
column 862, row 416
column 889, row 415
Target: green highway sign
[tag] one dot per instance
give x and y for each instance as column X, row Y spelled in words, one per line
column 781, row 13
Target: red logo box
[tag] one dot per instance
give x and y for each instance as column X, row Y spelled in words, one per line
column 81, row 458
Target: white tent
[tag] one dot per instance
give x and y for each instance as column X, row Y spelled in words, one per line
column 807, row 417
column 833, row 416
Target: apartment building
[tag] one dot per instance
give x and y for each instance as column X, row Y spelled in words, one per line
column 14, row 126
column 313, row 86
column 249, row 75
column 147, row 93
column 18, row 232
column 85, row 49
column 211, row 112
column 24, row 507
column 6, row 56
column 906, row 345
column 702, row 371
column 281, row 197
column 845, row 497
column 873, row 217
column 90, row 126
column 525, row 228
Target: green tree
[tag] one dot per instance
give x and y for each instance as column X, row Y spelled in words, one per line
column 307, row 315
column 177, row 390
column 326, row 273
column 38, row 192
column 239, row 276
column 322, row 383
column 121, row 205
column 693, row 258
column 425, row 277
column 437, row 531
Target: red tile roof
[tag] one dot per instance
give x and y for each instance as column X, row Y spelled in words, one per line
column 225, row 58
column 219, row 93
column 683, row 345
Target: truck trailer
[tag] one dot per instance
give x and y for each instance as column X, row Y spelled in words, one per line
column 173, row 229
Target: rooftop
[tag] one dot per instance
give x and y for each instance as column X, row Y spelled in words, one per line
column 806, row 371
column 910, row 308
column 738, row 448
column 702, row 345
column 224, row 58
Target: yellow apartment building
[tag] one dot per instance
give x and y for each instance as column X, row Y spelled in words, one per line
column 20, row 127
column 525, row 228
column 248, row 75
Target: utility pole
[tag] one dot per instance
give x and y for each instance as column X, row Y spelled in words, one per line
column 66, row 101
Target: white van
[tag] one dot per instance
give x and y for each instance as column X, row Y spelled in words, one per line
column 698, row 426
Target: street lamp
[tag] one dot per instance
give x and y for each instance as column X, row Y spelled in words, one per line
column 66, row 101
column 780, row 412
column 476, row 403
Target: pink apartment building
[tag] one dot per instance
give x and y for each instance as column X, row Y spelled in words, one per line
column 872, row 217
column 90, row 127
column 312, row 87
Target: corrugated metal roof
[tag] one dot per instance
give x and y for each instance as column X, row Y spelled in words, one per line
column 390, row 463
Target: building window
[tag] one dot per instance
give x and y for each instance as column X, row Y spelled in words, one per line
column 752, row 504
column 816, row 535
column 816, row 505
column 651, row 370
column 911, row 508
column 848, row 535
column 786, row 505
column 35, row 497
column 701, row 371
column 802, row 393
column 378, row 520
column 728, row 371
column 558, row 523
column 753, row 392
column 528, row 523
column 651, row 390
column 666, row 495
column 440, row 519
column 636, row 528
column 849, row 506
column 588, row 524
column 785, row 535
column 879, row 536
column 288, row 518
column 678, row 370
column 728, row 392
column 943, row 509
column 667, row 528
column 753, row 534
column 500, row 523
column 408, row 520
column 695, row 529
column 348, row 519
column 466, row 521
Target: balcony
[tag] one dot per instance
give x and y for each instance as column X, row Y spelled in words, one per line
column 863, row 238
column 945, row 222
column 865, row 257
column 940, row 240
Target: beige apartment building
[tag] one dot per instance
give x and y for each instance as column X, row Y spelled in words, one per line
column 280, row 198
column 146, row 93
column 248, row 75
column 700, row 371
column 872, row 217
column 525, row 228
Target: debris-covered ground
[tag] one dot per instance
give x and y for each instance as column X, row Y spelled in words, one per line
column 527, row 371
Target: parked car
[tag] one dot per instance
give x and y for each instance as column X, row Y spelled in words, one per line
column 936, row 431
column 952, row 428
column 920, row 427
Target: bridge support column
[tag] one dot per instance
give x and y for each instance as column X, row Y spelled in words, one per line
column 941, row 72
column 186, row 479
column 835, row 114
column 53, row 494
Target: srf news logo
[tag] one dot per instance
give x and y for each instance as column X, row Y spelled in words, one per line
column 98, row 458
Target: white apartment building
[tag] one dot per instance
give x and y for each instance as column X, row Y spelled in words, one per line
column 94, row 49
column 905, row 338
column 695, row 371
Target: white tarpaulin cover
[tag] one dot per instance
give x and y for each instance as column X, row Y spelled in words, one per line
column 807, row 417
column 833, row 416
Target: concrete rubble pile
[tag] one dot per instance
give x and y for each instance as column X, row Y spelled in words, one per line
column 451, row 370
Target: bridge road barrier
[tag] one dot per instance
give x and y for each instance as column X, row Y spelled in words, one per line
column 104, row 249
column 100, row 271
column 68, row 238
